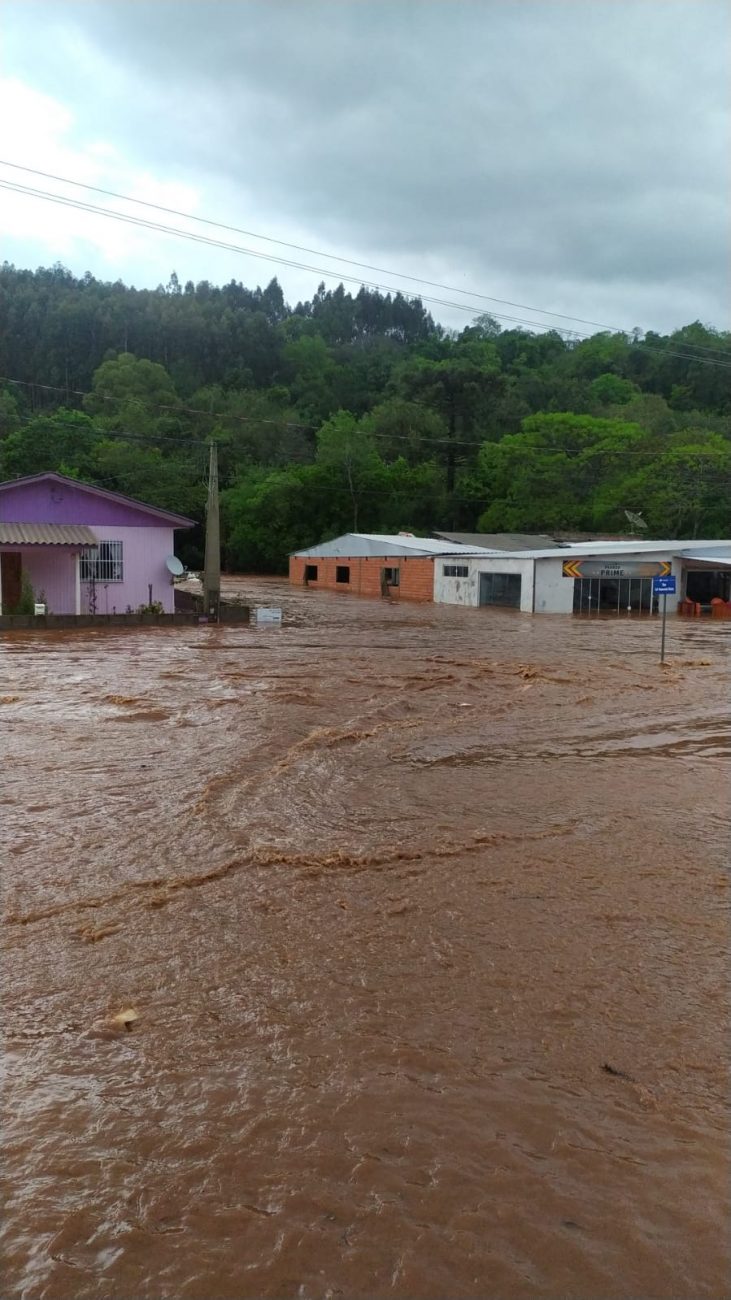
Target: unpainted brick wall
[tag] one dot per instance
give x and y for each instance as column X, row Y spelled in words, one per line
column 416, row 574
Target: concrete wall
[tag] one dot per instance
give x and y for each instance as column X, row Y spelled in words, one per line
column 553, row 593
column 416, row 575
column 42, row 622
column 456, row 591
column 466, row 591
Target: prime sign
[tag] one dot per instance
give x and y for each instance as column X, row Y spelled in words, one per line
column 616, row 568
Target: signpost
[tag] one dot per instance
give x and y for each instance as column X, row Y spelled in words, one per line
column 267, row 614
column 663, row 586
column 604, row 568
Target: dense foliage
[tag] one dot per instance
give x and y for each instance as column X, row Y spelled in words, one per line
column 358, row 411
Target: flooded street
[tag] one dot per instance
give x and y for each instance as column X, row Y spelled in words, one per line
column 423, row 912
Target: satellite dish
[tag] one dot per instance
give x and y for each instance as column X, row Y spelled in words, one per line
column 174, row 566
column 635, row 518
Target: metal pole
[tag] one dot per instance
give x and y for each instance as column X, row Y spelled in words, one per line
column 212, row 566
column 664, row 616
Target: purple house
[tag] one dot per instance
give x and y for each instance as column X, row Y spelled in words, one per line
column 83, row 549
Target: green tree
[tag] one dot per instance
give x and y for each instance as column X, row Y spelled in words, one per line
column 58, row 442
column 9, row 413
column 147, row 474
column 610, row 390
column 684, row 491
column 546, row 477
column 460, row 386
column 135, row 396
column 347, row 452
column 404, row 429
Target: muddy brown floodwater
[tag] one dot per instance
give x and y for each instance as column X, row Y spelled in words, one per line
column 423, row 916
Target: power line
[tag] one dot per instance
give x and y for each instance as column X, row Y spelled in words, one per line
column 158, row 406
column 205, row 240
column 426, row 441
column 314, row 252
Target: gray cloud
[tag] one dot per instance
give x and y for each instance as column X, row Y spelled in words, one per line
column 575, row 156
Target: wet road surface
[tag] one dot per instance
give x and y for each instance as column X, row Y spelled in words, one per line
column 424, row 916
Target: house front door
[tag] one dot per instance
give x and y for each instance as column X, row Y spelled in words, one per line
column 10, row 580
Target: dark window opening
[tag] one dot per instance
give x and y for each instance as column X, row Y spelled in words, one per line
column 310, row 573
column 455, row 571
column 392, row 577
column 102, row 563
column 342, row 573
column 703, row 585
column 500, row 589
column 613, row 596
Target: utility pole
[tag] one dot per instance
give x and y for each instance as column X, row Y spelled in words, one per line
column 212, row 567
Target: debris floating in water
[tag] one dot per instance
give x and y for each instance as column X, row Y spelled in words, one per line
column 125, row 1019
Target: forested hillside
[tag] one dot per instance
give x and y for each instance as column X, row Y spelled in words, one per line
column 358, row 411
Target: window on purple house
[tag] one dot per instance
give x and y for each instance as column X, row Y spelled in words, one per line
column 102, row 563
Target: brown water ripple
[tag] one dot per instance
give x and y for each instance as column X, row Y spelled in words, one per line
column 388, row 889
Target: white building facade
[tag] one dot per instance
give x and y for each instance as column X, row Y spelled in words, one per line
column 586, row 577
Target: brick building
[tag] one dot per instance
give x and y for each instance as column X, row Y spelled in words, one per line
column 400, row 567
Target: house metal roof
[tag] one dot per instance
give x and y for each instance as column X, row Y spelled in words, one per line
column 47, row 535
column 500, row 541
column 357, row 545
column 661, row 546
column 528, row 541
column 177, row 521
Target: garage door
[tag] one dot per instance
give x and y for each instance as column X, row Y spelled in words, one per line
column 500, row 589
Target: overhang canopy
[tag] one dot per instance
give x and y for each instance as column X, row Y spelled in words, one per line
column 702, row 560
column 46, row 535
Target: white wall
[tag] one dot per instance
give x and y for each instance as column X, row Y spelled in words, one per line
column 554, row 594
column 544, row 590
column 466, row 591
column 455, row 591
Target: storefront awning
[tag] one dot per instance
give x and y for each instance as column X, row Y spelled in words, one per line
column 46, row 535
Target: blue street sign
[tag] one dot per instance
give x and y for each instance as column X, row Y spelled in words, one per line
column 663, row 586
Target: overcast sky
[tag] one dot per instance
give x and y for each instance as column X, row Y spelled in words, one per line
column 573, row 156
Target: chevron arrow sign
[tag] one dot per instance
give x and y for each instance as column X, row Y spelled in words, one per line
column 603, row 568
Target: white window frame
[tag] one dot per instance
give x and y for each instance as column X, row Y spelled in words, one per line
column 102, row 563
column 455, row 571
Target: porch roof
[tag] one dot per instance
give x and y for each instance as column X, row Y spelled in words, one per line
column 46, row 535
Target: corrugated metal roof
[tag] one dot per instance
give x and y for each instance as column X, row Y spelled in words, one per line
column 661, row 547
column 500, row 541
column 384, row 544
column 530, row 541
column 356, row 545
column 47, row 535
